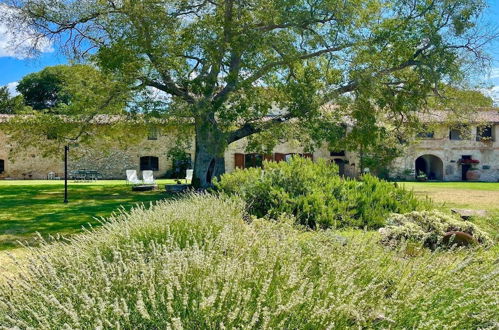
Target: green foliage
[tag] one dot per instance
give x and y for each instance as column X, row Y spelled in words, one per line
column 316, row 195
column 56, row 88
column 8, row 104
column 460, row 99
column 44, row 90
column 195, row 264
column 181, row 162
column 71, row 104
column 427, row 228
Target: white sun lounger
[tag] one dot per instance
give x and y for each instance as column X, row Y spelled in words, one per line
column 148, row 177
column 131, row 177
column 188, row 175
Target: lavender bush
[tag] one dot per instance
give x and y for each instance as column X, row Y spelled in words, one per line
column 196, row 264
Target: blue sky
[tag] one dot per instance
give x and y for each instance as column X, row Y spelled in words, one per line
column 13, row 68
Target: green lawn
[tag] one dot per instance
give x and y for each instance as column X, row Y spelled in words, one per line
column 28, row 207
column 472, row 195
column 487, row 186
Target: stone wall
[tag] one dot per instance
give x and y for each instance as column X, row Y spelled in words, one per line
column 450, row 152
column 113, row 162
column 349, row 160
column 30, row 165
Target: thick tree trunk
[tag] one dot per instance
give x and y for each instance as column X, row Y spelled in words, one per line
column 209, row 160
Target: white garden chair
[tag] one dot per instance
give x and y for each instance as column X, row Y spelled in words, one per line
column 148, row 177
column 188, row 175
column 131, row 177
column 53, row 176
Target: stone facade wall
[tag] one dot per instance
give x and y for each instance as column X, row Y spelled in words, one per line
column 450, row 152
column 113, row 163
column 110, row 163
column 32, row 165
column 349, row 159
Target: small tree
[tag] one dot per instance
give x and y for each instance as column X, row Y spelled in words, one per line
column 10, row 104
column 44, row 90
column 228, row 64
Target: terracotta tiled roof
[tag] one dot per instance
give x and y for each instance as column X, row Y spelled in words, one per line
column 490, row 115
column 97, row 119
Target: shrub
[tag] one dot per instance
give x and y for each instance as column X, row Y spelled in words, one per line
column 195, row 264
column 428, row 228
column 181, row 162
column 316, row 195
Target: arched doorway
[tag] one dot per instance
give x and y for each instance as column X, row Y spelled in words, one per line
column 430, row 165
column 341, row 166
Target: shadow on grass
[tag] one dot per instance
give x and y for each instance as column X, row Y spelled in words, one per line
column 26, row 210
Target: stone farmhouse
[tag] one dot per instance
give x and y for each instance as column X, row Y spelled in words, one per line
column 461, row 152
column 467, row 152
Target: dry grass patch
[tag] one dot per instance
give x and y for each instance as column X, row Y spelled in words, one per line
column 467, row 198
column 473, row 195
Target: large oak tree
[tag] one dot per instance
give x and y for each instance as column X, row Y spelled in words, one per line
column 227, row 65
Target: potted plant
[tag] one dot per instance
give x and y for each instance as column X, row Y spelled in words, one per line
column 421, row 176
column 473, row 174
column 486, row 139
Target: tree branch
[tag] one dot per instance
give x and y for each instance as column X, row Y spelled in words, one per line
column 251, row 128
column 302, row 25
column 268, row 67
column 168, row 86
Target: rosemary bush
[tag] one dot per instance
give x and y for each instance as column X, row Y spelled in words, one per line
column 317, row 196
column 195, row 264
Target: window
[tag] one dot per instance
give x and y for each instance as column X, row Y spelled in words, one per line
column 149, row 163
column 484, row 133
column 253, row 160
column 152, row 134
column 308, row 155
column 458, row 133
column 2, row 165
column 426, row 135
column 337, row 153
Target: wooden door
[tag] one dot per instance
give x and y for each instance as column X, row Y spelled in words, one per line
column 279, row 157
column 239, row 160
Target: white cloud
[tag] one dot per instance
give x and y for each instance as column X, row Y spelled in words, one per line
column 12, row 88
column 18, row 42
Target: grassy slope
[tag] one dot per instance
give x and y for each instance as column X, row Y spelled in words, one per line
column 27, row 207
column 30, row 206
